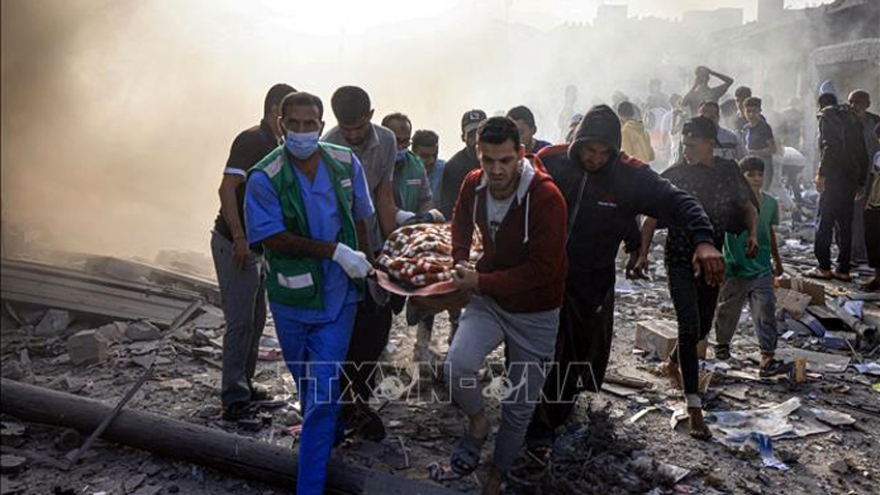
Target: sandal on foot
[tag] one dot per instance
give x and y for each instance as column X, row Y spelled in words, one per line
column 722, row 352
column 466, row 456
column 843, row 277
column 817, row 273
column 773, row 367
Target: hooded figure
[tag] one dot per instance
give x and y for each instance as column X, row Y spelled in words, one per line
column 605, row 191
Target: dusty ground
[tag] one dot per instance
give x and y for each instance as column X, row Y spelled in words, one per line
column 604, row 451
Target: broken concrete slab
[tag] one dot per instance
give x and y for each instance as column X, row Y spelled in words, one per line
column 53, row 323
column 804, row 286
column 87, row 347
column 142, row 330
column 819, row 362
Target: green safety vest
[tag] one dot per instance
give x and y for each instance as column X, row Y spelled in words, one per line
column 296, row 281
column 410, row 185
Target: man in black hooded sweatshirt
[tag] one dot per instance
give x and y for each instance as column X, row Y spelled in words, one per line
column 605, row 190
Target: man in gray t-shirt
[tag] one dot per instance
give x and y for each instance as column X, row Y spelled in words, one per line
column 375, row 147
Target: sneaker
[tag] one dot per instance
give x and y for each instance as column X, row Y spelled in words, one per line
column 774, row 367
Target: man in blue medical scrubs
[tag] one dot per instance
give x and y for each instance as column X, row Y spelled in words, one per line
column 306, row 204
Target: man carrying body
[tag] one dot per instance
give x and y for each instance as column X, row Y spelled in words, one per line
column 426, row 145
column 517, row 290
column 376, row 149
column 724, row 195
column 461, row 163
column 605, row 190
column 701, row 91
column 525, row 121
column 412, row 190
column 307, row 204
column 239, row 268
column 840, row 181
column 730, row 146
column 413, row 195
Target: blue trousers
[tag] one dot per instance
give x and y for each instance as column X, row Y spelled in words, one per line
column 313, row 354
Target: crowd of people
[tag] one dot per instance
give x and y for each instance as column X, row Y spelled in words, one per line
column 305, row 211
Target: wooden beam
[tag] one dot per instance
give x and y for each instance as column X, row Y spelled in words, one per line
column 229, row 453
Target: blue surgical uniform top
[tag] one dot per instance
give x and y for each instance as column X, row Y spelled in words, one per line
column 264, row 218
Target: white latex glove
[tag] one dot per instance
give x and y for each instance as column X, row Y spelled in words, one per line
column 353, row 262
column 402, row 216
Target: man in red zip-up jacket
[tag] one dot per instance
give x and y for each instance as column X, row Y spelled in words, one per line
column 518, row 288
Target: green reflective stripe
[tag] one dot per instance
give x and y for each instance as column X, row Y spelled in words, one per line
column 410, row 184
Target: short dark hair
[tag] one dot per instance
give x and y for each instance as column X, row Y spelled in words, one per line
column 424, row 137
column 302, row 99
column 498, row 130
column 742, row 92
column 275, row 95
column 752, row 102
column 396, row 116
column 827, row 100
column 713, row 104
column 350, row 104
column 626, row 109
column 750, row 163
column 523, row 113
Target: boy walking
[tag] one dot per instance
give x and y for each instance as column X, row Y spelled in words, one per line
column 752, row 278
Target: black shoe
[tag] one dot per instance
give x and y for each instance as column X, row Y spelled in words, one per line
column 367, row 424
column 722, row 352
column 238, row 411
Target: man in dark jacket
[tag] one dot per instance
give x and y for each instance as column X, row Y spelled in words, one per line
column 461, row 163
column 518, row 287
column 841, row 180
column 605, row 191
column 726, row 198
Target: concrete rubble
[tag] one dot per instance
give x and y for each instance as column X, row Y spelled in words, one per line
column 621, row 442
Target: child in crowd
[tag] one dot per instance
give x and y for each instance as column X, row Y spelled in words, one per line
column 758, row 136
column 752, row 278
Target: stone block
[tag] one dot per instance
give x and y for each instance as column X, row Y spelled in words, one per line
column 87, row 347
column 660, row 337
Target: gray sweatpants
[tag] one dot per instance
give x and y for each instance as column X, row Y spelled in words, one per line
column 531, row 343
column 762, row 302
column 243, row 293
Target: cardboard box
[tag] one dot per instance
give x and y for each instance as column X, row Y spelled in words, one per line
column 660, row 337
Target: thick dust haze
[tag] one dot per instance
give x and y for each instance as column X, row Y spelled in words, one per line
column 117, row 116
